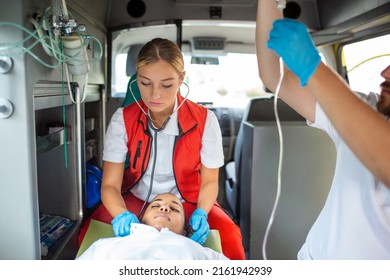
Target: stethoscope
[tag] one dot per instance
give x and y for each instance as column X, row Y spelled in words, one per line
column 156, row 131
column 150, row 121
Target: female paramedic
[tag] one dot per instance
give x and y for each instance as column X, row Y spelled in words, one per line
column 173, row 145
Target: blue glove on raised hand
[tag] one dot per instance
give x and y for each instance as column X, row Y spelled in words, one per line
column 199, row 224
column 121, row 223
column 291, row 40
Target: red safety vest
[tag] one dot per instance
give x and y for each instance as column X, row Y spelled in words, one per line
column 186, row 155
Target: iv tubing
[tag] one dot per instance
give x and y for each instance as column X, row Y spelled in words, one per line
column 278, row 189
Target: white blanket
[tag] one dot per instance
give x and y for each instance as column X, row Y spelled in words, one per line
column 147, row 243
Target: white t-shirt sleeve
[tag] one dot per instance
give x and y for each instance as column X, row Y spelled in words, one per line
column 211, row 153
column 115, row 144
column 322, row 122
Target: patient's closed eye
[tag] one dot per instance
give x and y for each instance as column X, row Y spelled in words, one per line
column 175, row 209
column 172, row 208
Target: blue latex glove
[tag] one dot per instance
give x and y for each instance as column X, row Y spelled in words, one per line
column 121, row 223
column 199, row 224
column 291, row 40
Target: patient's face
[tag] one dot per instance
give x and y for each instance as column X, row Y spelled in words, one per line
column 165, row 210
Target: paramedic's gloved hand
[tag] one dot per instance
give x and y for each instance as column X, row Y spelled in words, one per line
column 121, row 223
column 199, row 224
column 291, row 40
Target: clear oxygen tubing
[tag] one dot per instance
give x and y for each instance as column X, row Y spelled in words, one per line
column 48, row 42
column 39, row 31
column 53, row 48
column 279, row 175
column 8, row 49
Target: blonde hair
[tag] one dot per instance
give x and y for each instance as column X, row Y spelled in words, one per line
column 161, row 49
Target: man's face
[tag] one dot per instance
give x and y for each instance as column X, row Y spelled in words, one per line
column 165, row 210
column 383, row 104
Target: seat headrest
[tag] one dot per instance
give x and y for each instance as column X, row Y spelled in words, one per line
column 262, row 109
column 132, row 56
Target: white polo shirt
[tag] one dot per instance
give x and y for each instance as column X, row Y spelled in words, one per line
column 355, row 221
column 115, row 150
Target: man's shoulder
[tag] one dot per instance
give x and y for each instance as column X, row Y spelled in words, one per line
column 370, row 98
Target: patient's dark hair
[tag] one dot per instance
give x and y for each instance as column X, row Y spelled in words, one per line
column 188, row 231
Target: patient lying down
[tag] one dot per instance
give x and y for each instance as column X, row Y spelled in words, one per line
column 161, row 236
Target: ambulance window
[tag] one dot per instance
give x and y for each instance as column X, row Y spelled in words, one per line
column 364, row 61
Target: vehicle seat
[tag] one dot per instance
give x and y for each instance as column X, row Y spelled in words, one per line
column 258, row 109
column 131, row 71
column 129, row 98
